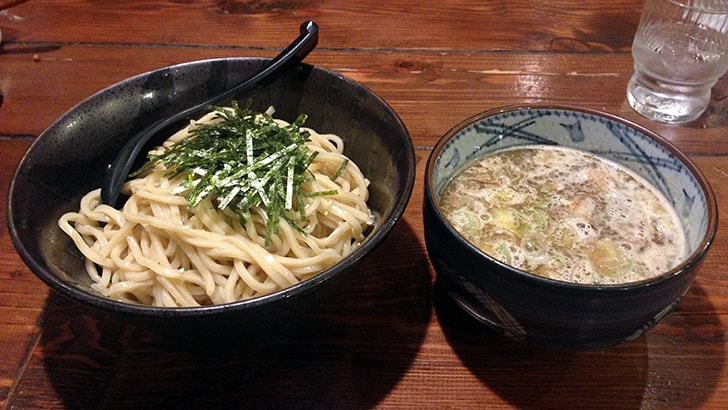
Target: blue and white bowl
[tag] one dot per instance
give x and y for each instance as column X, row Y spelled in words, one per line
column 546, row 312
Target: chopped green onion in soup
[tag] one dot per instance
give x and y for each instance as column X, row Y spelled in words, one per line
column 564, row 214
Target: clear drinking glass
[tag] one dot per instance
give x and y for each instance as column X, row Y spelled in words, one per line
column 680, row 50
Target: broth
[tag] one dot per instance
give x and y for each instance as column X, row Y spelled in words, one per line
column 564, row 214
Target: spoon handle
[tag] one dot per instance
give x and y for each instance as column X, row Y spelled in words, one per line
column 119, row 169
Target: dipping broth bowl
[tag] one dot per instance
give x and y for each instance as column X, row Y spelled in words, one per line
column 71, row 156
column 545, row 312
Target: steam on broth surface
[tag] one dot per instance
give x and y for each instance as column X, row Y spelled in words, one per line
column 564, row 214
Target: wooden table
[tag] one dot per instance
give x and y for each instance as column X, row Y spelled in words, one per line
column 388, row 338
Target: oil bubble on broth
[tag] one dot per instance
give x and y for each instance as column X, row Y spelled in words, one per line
column 564, row 214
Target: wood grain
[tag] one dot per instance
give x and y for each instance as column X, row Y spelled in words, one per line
column 390, row 338
column 431, row 91
column 560, row 25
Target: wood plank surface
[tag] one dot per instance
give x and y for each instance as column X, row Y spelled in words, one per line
column 389, row 338
column 561, row 25
column 431, row 91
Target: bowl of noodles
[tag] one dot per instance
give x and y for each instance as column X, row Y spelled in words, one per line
column 248, row 214
column 564, row 227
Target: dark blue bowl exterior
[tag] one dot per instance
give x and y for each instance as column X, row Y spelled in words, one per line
column 544, row 312
column 532, row 310
column 70, row 158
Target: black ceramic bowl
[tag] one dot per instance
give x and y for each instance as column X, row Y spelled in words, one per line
column 70, row 157
column 546, row 312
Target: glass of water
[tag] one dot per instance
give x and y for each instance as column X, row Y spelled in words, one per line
column 680, row 50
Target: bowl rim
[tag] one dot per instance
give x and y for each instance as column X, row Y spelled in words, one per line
column 691, row 260
column 106, row 304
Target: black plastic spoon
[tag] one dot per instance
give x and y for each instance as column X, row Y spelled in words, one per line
column 120, row 168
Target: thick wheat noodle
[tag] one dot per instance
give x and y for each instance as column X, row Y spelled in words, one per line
column 156, row 251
